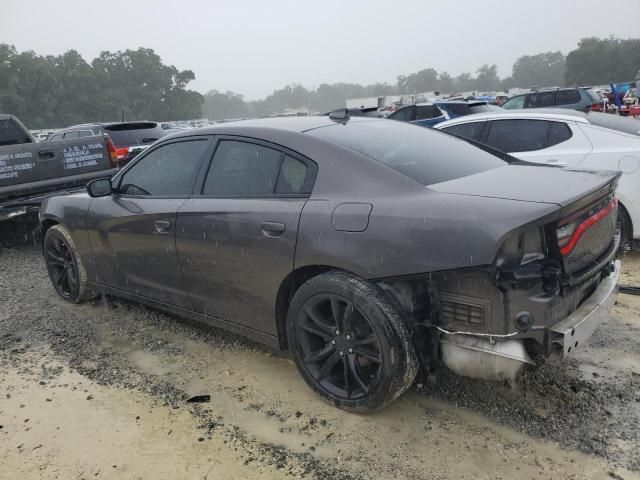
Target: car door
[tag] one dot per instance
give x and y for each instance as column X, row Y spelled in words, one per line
column 132, row 232
column 542, row 141
column 236, row 239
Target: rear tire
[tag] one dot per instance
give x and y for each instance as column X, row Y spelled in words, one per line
column 66, row 270
column 350, row 343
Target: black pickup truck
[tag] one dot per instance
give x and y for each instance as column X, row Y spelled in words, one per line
column 29, row 171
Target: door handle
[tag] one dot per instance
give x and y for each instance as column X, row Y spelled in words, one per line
column 46, row 154
column 162, row 226
column 273, row 229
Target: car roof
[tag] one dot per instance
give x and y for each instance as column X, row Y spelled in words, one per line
column 106, row 124
column 289, row 124
column 462, row 102
column 451, row 102
column 524, row 114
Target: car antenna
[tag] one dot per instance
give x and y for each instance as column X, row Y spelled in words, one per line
column 340, row 116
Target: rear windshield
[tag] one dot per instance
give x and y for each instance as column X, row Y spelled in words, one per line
column 455, row 108
column 12, row 134
column 424, row 155
column 140, row 133
column 595, row 98
column 615, row 122
column 484, row 108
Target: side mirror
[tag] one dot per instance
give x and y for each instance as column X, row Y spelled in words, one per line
column 100, row 188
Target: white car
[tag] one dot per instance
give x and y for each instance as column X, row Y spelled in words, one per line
column 593, row 141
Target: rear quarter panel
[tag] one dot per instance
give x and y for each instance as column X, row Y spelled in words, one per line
column 413, row 234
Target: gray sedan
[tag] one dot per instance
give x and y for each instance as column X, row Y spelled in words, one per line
column 366, row 248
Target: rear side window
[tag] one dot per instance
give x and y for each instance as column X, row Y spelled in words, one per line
column 567, row 97
column 243, row 169
column 422, row 154
column 292, row 177
column 139, row 133
column 471, row 130
column 540, row 100
column 12, row 134
column 169, row 170
column 558, row 133
column 427, row 111
column 406, row 114
column 512, row 136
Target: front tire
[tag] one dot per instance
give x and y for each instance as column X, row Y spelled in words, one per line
column 350, row 343
column 64, row 265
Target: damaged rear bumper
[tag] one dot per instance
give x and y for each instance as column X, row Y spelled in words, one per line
column 574, row 330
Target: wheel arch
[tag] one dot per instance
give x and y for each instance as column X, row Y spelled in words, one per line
column 288, row 289
column 401, row 292
column 45, row 224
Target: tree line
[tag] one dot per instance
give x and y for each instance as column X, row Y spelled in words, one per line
column 594, row 62
column 56, row 91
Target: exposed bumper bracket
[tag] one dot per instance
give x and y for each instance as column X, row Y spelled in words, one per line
column 580, row 325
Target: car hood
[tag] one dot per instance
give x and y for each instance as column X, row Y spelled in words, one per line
column 529, row 183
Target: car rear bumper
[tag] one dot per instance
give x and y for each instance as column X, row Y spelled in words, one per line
column 574, row 330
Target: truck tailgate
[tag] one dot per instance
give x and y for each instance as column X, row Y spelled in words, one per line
column 39, row 162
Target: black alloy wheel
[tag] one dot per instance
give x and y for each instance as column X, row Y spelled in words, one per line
column 349, row 342
column 62, row 267
column 339, row 346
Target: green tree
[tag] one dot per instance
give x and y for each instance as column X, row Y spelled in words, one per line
column 602, row 61
column 487, row 79
column 542, row 70
column 223, row 106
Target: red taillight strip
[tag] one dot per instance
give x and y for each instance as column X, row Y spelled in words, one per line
column 599, row 215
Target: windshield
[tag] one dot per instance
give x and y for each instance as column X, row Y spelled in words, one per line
column 426, row 156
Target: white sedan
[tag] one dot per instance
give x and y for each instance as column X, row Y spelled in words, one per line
column 593, row 141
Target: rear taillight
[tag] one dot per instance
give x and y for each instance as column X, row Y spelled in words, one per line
column 597, row 107
column 116, row 155
column 570, row 230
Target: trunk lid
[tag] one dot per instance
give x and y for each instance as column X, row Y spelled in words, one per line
column 532, row 183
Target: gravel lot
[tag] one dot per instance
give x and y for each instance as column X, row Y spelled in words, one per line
column 100, row 391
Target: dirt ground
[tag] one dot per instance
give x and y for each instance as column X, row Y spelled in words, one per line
column 100, row 391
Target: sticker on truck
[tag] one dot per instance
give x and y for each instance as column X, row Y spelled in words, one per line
column 37, row 162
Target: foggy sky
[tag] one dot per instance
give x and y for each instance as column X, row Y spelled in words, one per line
column 254, row 47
